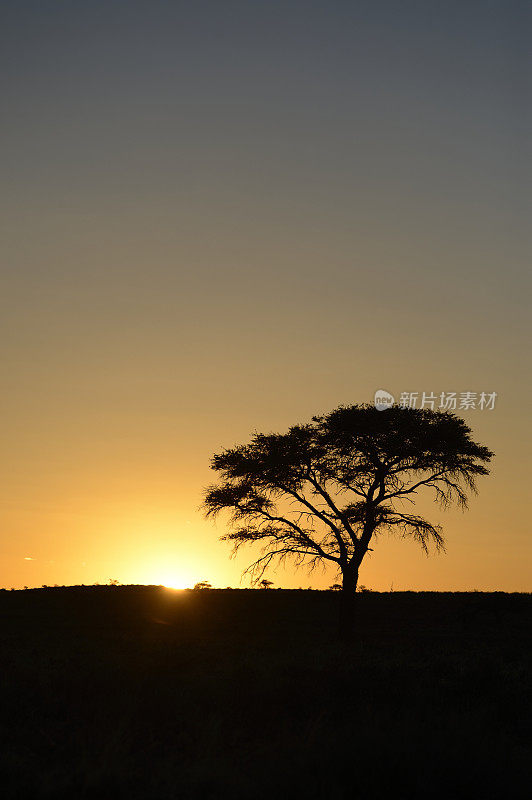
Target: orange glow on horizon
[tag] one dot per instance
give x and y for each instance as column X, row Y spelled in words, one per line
column 175, row 584
column 175, row 577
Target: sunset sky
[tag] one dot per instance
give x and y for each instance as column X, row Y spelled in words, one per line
column 219, row 218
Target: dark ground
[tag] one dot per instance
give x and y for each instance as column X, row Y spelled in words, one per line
column 140, row 692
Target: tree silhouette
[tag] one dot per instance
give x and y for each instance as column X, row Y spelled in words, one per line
column 322, row 492
column 265, row 584
column 201, row 586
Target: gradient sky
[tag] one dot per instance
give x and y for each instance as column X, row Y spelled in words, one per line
column 226, row 217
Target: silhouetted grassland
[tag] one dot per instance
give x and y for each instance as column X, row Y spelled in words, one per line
column 140, row 692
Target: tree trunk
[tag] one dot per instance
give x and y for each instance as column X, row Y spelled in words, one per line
column 348, row 602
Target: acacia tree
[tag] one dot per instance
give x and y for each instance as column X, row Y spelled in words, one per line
column 322, row 492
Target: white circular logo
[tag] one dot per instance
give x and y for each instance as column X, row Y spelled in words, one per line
column 383, row 400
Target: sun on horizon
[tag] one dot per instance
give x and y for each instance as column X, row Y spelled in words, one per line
column 172, row 572
column 174, row 584
column 176, row 580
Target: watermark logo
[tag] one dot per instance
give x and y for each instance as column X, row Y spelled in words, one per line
column 442, row 401
column 383, row 400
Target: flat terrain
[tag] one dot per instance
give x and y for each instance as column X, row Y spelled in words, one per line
column 141, row 692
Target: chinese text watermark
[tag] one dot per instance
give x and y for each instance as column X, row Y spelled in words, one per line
column 442, row 401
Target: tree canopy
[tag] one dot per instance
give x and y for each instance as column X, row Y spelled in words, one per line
column 321, row 492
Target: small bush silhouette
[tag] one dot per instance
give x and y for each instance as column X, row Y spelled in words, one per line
column 202, row 586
